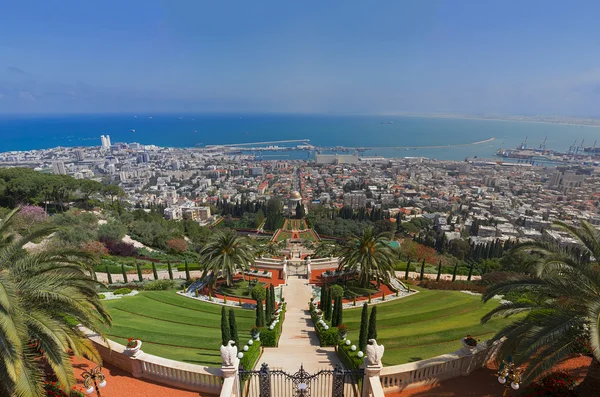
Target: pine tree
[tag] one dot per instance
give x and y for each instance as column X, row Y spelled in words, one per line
column 233, row 332
column 268, row 308
column 170, row 270
column 407, row 269
column 225, row 331
column 260, row 315
column 373, row 324
column 139, row 270
column 364, row 325
column 187, row 271
column 454, row 272
column 439, row 271
column 124, row 273
column 108, row 275
column 154, row 272
column 422, row 270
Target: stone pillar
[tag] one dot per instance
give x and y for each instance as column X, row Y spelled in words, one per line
column 231, row 371
column 371, row 372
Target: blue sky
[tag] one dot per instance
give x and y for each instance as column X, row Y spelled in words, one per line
column 492, row 57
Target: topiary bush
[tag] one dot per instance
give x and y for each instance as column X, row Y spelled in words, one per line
column 122, row 291
column 101, row 296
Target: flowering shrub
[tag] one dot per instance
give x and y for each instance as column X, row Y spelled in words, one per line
column 29, row 216
column 52, row 389
column 177, row 245
column 119, row 248
column 95, row 248
column 131, row 343
column 556, row 384
column 342, row 328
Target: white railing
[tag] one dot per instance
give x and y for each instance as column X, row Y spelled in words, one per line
column 161, row 370
column 434, row 370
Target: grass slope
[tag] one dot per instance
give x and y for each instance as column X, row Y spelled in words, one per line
column 174, row 327
column 427, row 324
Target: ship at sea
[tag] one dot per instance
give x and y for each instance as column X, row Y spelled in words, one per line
column 576, row 153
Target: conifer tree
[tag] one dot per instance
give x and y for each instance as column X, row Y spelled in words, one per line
column 124, row 273
column 364, row 325
column 154, row 272
column 108, row 275
column 273, row 301
column 439, row 271
column 340, row 313
column 170, row 270
column 260, row 314
column 225, row 332
column 454, row 272
column 373, row 324
column 407, row 269
column 422, row 270
column 139, row 270
column 233, row 332
column 334, row 316
column 187, row 271
column 470, row 271
column 268, row 308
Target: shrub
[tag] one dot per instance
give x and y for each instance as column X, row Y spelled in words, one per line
column 113, row 231
column 258, row 293
column 52, row 389
column 95, row 248
column 270, row 337
column 160, row 285
column 349, row 358
column 555, row 384
column 336, row 291
column 452, row 286
column 28, row 217
column 119, row 248
column 177, row 245
column 122, row 291
column 251, row 356
column 101, row 296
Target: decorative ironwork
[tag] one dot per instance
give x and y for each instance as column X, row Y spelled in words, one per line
column 265, row 382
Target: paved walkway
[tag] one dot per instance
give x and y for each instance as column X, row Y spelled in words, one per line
column 299, row 343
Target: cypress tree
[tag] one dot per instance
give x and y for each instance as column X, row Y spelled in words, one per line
column 328, row 307
column 373, row 324
column 454, row 272
column 268, row 308
column 124, row 273
column 364, row 324
column 439, row 271
column 322, row 299
column 340, row 314
column 187, row 271
column 233, row 332
column 170, row 270
column 422, row 270
column 225, row 332
column 273, row 303
column 334, row 316
column 470, row 271
column 260, row 315
column 154, row 272
column 407, row 269
column 139, row 270
column 108, row 275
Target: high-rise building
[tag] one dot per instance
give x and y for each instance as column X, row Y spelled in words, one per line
column 58, row 167
column 79, row 154
column 143, row 157
column 355, row 199
column 105, row 142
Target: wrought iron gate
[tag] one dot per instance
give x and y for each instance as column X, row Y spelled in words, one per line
column 298, row 270
column 265, row 382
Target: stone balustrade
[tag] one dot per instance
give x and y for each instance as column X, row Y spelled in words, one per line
column 191, row 377
column 436, row 369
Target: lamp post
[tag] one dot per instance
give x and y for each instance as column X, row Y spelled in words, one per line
column 509, row 376
column 93, row 380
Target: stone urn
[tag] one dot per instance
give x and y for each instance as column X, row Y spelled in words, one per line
column 132, row 351
column 469, row 345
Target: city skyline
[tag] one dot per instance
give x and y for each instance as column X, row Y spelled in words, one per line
column 466, row 57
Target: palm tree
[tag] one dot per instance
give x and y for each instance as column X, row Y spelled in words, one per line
column 325, row 249
column 371, row 255
column 226, row 253
column 560, row 307
column 42, row 296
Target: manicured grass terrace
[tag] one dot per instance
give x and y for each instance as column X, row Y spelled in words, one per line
column 173, row 326
column 426, row 324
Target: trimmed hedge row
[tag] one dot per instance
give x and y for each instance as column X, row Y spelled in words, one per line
column 270, row 338
column 327, row 337
column 251, row 356
column 349, row 358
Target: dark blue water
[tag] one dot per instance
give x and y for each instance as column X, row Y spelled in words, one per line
column 24, row 133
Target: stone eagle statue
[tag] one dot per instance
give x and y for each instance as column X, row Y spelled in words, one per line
column 229, row 354
column 374, row 352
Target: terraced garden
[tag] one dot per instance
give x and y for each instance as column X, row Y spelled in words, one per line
column 426, row 324
column 173, row 326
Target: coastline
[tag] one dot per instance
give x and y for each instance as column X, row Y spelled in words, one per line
column 461, row 117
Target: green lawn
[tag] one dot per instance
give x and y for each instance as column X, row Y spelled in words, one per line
column 308, row 235
column 426, row 324
column 283, row 235
column 173, row 326
column 238, row 289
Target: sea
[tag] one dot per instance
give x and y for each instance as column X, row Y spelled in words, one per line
column 386, row 136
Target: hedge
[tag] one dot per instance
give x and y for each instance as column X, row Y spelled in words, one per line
column 251, row 356
column 349, row 358
column 122, row 291
column 327, row 337
column 181, row 268
column 270, row 338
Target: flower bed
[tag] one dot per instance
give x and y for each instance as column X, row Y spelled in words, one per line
column 52, row 389
column 555, row 384
column 112, row 295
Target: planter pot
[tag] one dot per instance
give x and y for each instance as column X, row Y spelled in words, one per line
column 257, row 336
column 466, row 348
column 133, row 350
column 343, row 335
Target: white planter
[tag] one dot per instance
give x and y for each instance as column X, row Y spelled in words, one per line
column 257, row 336
column 133, row 350
column 466, row 348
